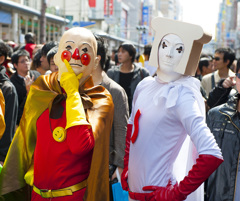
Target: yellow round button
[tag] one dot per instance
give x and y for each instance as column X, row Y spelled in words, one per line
column 59, row 134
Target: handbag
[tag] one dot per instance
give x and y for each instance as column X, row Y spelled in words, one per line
column 118, row 193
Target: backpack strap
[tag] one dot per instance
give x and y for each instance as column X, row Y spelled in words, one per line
column 213, row 80
column 141, row 74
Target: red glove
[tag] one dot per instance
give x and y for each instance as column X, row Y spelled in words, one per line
column 167, row 193
column 124, row 177
column 204, row 167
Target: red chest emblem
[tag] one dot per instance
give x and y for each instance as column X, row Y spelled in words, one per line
column 136, row 126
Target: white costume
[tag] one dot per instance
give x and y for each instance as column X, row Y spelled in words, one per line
column 169, row 112
column 171, row 141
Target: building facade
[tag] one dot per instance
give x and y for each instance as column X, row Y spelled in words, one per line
column 228, row 26
column 17, row 19
column 115, row 20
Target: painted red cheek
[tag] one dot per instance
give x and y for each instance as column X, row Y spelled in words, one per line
column 85, row 59
column 66, row 55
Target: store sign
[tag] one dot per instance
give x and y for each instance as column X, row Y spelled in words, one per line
column 5, row 17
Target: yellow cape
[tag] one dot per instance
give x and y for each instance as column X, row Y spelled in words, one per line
column 98, row 105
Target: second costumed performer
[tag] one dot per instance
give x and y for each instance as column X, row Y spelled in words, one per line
column 170, row 151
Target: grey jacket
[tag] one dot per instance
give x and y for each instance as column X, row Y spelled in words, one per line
column 138, row 74
column 120, row 120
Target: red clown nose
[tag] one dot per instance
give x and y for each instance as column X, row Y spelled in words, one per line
column 76, row 54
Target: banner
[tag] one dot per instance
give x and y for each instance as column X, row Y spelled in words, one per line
column 105, row 7
column 145, row 15
column 145, row 22
column 108, row 8
column 92, row 3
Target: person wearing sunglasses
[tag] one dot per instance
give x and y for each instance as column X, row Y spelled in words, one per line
column 222, row 92
column 224, row 122
column 222, row 61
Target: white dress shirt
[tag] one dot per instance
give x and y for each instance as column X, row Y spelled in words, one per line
column 169, row 113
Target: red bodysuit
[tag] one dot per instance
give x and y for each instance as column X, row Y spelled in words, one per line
column 59, row 165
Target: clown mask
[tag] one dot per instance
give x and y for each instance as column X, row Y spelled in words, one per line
column 78, row 47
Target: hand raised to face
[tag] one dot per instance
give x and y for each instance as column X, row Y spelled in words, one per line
column 79, row 47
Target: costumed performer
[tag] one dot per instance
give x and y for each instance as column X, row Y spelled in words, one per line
column 61, row 147
column 167, row 111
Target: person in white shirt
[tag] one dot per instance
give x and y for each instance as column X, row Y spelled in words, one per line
column 222, row 61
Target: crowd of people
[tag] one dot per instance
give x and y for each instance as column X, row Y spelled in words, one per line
column 90, row 103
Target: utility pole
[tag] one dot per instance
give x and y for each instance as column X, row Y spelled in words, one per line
column 80, row 10
column 43, row 22
column 141, row 30
column 156, row 10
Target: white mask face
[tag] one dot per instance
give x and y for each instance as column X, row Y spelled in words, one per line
column 170, row 53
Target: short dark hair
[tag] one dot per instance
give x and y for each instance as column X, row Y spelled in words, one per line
column 36, row 63
column 47, row 47
column 204, row 61
column 17, row 54
column 114, row 51
column 30, row 37
column 130, row 48
column 51, row 53
column 101, row 50
column 147, row 49
column 10, row 51
column 228, row 54
column 3, row 49
column 137, row 57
